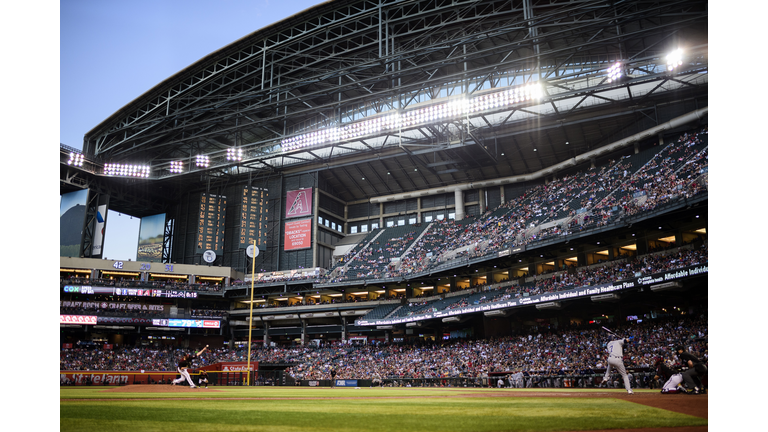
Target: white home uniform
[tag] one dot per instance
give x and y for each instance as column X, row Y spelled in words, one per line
column 671, row 386
column 616, row 361
column 182, row 369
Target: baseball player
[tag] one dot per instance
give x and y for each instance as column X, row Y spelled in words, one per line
column 616, row 361
column 184, row 364
column 203, row 380
column 696, row 368
column 672, row 379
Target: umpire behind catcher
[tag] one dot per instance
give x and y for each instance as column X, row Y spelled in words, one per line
column 696, row 368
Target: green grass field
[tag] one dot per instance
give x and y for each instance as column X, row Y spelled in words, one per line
column 385, row 410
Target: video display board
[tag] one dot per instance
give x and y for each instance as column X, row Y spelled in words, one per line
column 71, row 220
column 128, row 292
column 151, row 235
column 254, row 216
column 187, row 323
column 210, row 225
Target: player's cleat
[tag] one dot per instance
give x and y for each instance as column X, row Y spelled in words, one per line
column 630, row 392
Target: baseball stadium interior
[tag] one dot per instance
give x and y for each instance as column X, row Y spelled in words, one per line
column 492, row 184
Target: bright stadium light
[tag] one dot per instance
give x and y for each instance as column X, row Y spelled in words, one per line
column 674, row 59
column 234, row 154
column 76, row 159
column 202, row 161
column 125, row 170
column 614, row 72
column 177, row 166
column 414, row 117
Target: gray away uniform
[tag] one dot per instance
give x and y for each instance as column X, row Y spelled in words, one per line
column 616, row 361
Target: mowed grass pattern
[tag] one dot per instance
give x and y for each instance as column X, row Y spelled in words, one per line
column 394, row 410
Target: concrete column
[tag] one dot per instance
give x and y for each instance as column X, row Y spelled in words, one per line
column 303, row 332
column 418, row 210
column 344, row 330
column 459, row 194
column 482, row 200
column 315, row 208
column 266, row 334
column 501, row 189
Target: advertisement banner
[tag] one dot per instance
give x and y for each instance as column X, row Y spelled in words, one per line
column 346, row 383
column 298, row 235
column 125, row 320
column 238, row 366
column 115, row 306
column 128, row 292
column 298, row 203
column 189, row 323
column 104, row 378
column 77, row 319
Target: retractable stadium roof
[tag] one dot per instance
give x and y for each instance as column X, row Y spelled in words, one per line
column 329, row 91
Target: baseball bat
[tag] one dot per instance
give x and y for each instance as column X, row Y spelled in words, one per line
column 609, row 331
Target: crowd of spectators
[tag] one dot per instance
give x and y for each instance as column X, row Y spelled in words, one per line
column 544, row 351
column 607, row 273
column 572, row 203
column 620, row 268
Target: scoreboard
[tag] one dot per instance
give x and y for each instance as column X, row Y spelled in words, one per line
column 210, row 223
column 254, row 215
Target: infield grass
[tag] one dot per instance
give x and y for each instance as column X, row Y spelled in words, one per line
column 382, row 410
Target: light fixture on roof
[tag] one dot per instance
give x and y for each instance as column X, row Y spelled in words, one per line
column 202, row 161
column 75, row 159
column 674, row 59
column 614, row 72
column 126, row 170
column 405, row 119
column 234, row 154
column 177, row 166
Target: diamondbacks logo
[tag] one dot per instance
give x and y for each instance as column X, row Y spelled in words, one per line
column 298, row 203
